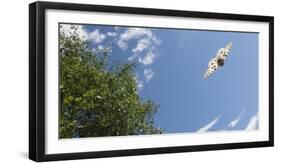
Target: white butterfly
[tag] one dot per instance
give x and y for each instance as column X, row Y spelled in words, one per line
column 218, row 61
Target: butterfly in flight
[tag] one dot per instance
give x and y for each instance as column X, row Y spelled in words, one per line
column 218, row 61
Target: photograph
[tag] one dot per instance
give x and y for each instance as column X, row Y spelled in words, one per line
column 110, row 81
column 132, row 80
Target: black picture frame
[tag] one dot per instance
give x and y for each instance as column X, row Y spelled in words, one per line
column 37, row 80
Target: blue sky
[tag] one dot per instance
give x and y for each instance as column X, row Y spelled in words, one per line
column 171, row 65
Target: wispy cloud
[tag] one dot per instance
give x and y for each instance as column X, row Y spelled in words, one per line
column 253, row 123
column 132, row 33
column 140, row 85
column 97, row 37
column 138, row 82
column 142, row 45
column 145, row 49
column 148, row 58
column 236, row 120
column 116, row 28
column 111, row 34
column 148, row 74
column 209, row 125
column 100, row 47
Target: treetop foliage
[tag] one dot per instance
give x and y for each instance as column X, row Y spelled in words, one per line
column 98, row 98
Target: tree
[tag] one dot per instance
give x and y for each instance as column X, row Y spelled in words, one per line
column 99, row 98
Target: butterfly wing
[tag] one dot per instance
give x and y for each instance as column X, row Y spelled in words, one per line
column 212, row 67
column 224, row 52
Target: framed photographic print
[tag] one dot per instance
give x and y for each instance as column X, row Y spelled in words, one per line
column 117, row 81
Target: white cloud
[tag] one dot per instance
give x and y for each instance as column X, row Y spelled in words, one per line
column 155, row 40
column 111, row 34
column 236, row 120
column 116, row 28
column 96, row 36
column 209, row 125
column 139, row 82
column 253, row 123
column 100, row 47
column 68, row 30
column 144, row 49
column 140, row 85
column 148, row 74
column 148, row 58
column 132, row 33
column 134, row 56
column 142, row 45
